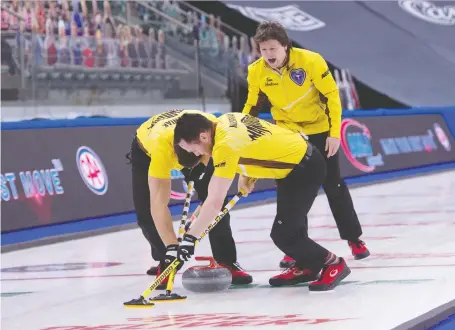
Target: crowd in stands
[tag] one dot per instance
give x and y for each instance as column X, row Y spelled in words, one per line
column 86, row 33
column 214, row 38
column 81, row 33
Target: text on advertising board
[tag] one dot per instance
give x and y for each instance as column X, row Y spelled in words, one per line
column 34, row 183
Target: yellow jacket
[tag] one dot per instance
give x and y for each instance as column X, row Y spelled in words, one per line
column 304, row 96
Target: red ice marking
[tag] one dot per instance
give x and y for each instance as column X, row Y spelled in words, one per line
column 207, row 320
column 401, row 195
column 363, row 267
column 366, row 238
column 311, row 215
column 383, row 256
column 373, row 225
column 248, row 270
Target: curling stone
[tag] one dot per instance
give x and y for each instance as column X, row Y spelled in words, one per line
column 207, row 278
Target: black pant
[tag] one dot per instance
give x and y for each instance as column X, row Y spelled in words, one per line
column 338, row 193
column 221, row 240
column 295, row 196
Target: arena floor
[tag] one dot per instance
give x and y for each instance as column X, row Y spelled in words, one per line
column 409, row 226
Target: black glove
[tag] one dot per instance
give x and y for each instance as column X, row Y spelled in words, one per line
column 171, row 255
column 186, row 248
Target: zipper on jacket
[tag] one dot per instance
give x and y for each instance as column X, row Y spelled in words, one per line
column 282, row 85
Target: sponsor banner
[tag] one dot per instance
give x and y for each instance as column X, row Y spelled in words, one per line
column 381, row 144
column 291, row 16
column 432, row 12
column 58, row 175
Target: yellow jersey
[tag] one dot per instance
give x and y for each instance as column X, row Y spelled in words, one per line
column 156, row 135
column 255, row 148
column 303, row 96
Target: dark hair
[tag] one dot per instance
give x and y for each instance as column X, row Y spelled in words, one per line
column 185, row 158
column 272, row 30
column 189, row 126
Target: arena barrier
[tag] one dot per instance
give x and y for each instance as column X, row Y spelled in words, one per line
column 63, row 171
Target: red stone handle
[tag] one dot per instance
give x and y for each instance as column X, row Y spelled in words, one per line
column 210, row 259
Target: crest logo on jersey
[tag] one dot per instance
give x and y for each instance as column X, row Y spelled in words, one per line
column 298, row 76
column 92, row 170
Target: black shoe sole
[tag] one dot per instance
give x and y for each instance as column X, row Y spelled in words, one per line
column 362, row 255
column 280, row 282
column 345, row 273
column 152, row 271
column 240, row 280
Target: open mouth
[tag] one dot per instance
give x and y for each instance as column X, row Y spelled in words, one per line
column 272, row 60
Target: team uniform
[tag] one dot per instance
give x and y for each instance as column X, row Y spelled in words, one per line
column 304, row 98
column 246, row 145
column 152, row 154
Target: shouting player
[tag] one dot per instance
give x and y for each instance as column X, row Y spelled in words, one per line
column 304, row 98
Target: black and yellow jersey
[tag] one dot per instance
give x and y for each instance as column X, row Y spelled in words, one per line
column 303, row 95
column 255, row 148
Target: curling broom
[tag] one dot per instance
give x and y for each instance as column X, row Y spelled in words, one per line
column 169, row 296
column 141, row 301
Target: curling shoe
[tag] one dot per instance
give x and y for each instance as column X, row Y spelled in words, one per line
column 152, row 270
column 358, row 249
column 287, row 262
column 330, row 276
column 239, row 276
column 292, row 276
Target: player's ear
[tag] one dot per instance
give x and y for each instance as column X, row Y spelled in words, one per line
column 203, row 137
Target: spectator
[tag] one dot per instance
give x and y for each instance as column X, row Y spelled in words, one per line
column 27, row 15
column 66, row 19
column 113, row 60
column 37, row 45
column 63, row 47
column 40, row 17
column 152, row 47
column 161, row 51
column 220, row 35
column 76, row 45
column 51, row 21
column 171, row 9
column 5, row 20
column 78, row 18
column 131, row 46
column 51, row 49
column 13, row 20
column 227, row 46
column 89, row 44
column 141, row 48
column 109, row 24
column 100, row 53
column 97, row 23
column 123, row 46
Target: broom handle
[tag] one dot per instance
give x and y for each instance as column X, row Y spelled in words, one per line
column 186, row 208
column 176, row 262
